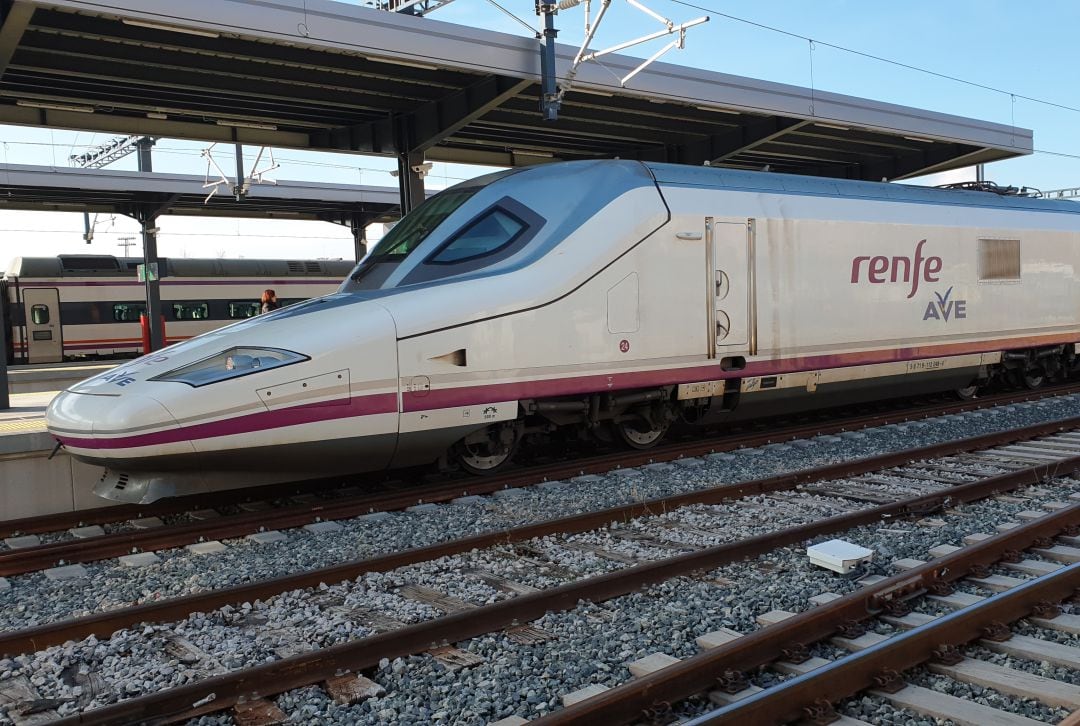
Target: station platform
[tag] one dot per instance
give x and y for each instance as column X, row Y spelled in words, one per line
column 30, row 482
column 44, row 377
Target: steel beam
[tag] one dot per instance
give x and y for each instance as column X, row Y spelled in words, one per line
column 208, row 93
column 170, row 128
column 14, row 19
column 915, row 162
column 435, row 121
column 750, row 136
column 428, row 125
column 717, row 148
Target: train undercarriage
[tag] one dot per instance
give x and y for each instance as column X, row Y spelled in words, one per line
column 639, row 419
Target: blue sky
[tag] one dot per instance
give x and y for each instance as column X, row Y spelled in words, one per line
column 1024, row 49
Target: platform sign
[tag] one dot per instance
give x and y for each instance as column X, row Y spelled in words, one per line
column 148, row 273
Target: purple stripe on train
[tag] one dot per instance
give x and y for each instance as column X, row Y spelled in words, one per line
column 262, row 421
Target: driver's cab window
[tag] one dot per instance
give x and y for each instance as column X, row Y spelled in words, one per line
column 487, row 235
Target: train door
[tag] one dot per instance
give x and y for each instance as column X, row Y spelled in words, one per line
column 729, row 284
column 43, row 335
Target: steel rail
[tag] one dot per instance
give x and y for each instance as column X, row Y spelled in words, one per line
column 223, row 691
column 103, row 624
column 791, row 700
column 90, row 549
column 627, row 702
column 60, row 521
column 725, row 442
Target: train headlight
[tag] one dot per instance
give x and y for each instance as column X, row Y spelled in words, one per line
column 231, row 363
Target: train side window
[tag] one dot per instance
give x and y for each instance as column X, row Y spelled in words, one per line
column 39, row 314
column 999, row 260
column 240, row 310
column 190, row 311
column 128, row 312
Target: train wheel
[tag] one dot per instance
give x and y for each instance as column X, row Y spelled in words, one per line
column 1033, row 378
column 487, row 450
column 637, row 433
column 968, row 392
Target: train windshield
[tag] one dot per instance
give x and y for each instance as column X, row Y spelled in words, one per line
column 410, row 232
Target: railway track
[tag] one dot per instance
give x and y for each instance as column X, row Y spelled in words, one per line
column 874, row 661
column 304, row 502
column 264, row 521
column 628, row 555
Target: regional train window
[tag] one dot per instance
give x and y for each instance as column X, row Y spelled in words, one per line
column 239, row 310
column 999, row 259
column 39, row 314
column 190, row 311
column 486, row 235
column 128, row 312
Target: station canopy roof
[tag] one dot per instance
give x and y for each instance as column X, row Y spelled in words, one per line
column 45, row 189
column 337, row 77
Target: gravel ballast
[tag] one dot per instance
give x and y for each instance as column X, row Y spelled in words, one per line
column 590, row 645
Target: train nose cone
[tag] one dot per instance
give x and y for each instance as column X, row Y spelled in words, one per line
column 111, row 426
column 73, row 413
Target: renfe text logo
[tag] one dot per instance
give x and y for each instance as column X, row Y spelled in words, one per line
column 881, row 269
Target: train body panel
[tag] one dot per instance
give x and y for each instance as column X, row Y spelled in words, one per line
column 610, row 296
column 818, row 297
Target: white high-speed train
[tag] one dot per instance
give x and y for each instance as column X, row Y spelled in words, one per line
column 610, row 297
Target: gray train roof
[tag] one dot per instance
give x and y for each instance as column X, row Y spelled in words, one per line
column 46, row 188
column 757, row 181
column 333, row 76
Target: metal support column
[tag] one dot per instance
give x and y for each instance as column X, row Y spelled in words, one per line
column 549, row 89
column 410, row 180
column 358, row 224
column 147, row 223
column 238, row 189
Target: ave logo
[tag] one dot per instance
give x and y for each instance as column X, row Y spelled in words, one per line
column 942, row 308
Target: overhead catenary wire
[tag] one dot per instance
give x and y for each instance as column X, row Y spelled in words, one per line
column 880, row 59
